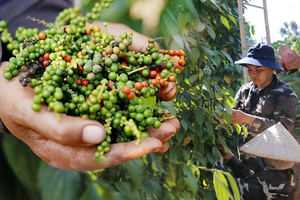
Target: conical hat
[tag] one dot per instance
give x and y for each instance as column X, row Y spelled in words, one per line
column 274, row 143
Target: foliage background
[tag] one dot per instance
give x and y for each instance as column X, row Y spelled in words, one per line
column 208, row 32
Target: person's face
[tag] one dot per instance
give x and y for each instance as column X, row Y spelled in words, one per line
column 259, row 74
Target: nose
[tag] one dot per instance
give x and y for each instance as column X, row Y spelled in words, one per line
column 252, row 73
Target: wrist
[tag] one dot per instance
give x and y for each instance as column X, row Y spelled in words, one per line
column 229, row 155
column 250, row 119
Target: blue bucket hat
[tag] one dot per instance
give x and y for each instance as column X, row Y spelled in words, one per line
column 260, row 55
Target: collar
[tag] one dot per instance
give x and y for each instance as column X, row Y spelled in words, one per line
column 274, row 82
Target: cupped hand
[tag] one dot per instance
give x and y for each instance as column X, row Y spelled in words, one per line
column 71, row 142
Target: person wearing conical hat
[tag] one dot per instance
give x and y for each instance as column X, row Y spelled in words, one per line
column 279, row 151
column 264, row 101
column 289, row 60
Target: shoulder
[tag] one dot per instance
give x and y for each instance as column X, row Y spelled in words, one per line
column 284, row 88
column 246, row 86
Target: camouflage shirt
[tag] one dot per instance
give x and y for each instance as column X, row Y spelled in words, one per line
column 276, row 103
column 267, row 184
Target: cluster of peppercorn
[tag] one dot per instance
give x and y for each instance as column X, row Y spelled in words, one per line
column 81, row 71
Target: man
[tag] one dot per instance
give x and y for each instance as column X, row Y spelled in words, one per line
column 279, row 151
column 265, row 100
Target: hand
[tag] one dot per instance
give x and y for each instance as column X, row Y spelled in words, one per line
column 240, row 117
column 71, row 143
column 224, row 154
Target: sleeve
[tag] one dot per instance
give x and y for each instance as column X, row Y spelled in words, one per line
column 251, row 186
column 238, row 99
column 219, row 165
column 285, row 112
column 238, row 168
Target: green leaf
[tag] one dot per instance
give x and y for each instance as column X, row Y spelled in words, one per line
column 179, row 136
column 125, row 189
column 188, row 17
column 232, row 19
column 169, row 105
column 201, row 73
column 194, row 55
column 191, row 8
column 23, row 162
column 176, row 152
column 57, row 183
column 227, row 118
column 225, row 22
column 182, row 20
column 208, row 70
column 153, row 165
column 134, row 170
column 190, row 179
column 199, row 26
column 187, row 154
column 211, row 32
column 209, row 128
column 184, row 125
column 208, row 51
column 91, row 192
column 149, row 102
column 245, row 131
column 193, row 78
column 173, row 26
column 200, row 157
column 233, row 185
column 199, row 117
column 218, row 60
column 221, row 185
column 210, row 157
column 227, row 56
column 155, row 187
column 215, row 152
column 237, row 128
column 191, row 40
column 186, row 114
column 222, row 140
column 203, row 135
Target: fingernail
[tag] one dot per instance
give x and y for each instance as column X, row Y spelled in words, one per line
column 93, row 134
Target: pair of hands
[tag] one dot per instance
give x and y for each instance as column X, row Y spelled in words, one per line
column 71, row 143
column 239, row 117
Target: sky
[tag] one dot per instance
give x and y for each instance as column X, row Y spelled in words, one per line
column 279, row 11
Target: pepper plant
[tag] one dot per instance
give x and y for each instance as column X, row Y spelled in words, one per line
column 208, row 32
